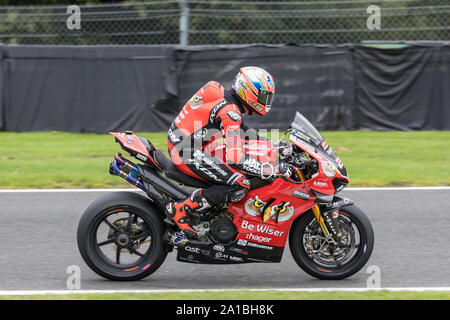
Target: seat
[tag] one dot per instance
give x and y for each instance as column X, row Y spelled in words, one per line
column 173, row 173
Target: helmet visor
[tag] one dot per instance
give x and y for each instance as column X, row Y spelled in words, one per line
column 265, row 98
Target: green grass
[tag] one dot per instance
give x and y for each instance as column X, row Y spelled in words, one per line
column 394, row 158
column 248, row 295
column 65, row 160
column 61, row 160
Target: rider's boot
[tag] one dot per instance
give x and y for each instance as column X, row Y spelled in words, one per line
column 176, row 211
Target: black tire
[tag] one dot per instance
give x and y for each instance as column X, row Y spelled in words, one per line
column 97, row 212
column 356, row 262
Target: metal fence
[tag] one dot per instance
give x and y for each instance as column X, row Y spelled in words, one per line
column 198, row 22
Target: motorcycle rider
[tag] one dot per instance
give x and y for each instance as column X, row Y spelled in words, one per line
column 215, row 112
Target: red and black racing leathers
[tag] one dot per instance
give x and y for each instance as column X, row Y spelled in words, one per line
column 211, row 114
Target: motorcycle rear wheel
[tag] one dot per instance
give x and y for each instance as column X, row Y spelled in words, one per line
column 124, row 223
column 358, row 226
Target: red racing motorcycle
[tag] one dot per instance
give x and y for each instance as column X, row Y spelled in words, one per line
column 126, row 235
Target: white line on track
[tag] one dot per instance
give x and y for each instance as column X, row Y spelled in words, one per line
column 59, row 292
column 137, row 190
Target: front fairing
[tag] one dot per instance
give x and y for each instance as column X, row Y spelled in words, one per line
column 304, row 135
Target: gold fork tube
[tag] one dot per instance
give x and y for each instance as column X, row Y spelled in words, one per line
column 316, row 210
column 319, row 218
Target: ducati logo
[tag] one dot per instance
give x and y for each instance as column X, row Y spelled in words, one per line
column 280, row 212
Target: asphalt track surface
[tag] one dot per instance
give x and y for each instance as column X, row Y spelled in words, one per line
column 412, row 247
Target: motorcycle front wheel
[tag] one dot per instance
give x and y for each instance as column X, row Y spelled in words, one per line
column 120, row 237
column 327, row 259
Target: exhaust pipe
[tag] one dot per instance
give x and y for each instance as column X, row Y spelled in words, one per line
column 126, row 164
column 126, row 170
column 131, row 172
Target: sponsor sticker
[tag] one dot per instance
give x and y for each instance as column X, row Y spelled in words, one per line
column 178, row 238
column 219, row 247
column 238, row 250
column 254, row 206
column 173, row 138
column 233, row 127
column 198, row 166
column 256, row 106
column 192, row 249
column 246, row 243
column 220, row 256
column 195, row 101
column 279, row 213
column 252, row 165
column 257, row 238
column 141, row 157
column 320, row 184
column 242, row 242
column 301, row 195
column 235, row 259
column 200, row 157
column 215, row 110
column 261, row 228
column 234, row 116
column 200, row 134
column 339, row 163
column 189, row 258
column 339, row 203
column 301, row 135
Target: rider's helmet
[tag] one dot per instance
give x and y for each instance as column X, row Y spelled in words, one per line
column 256, row 88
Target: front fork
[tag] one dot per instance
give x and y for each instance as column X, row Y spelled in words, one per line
column 320, row 220
column 328, row 220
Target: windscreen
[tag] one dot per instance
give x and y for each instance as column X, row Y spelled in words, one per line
column 303, row 129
